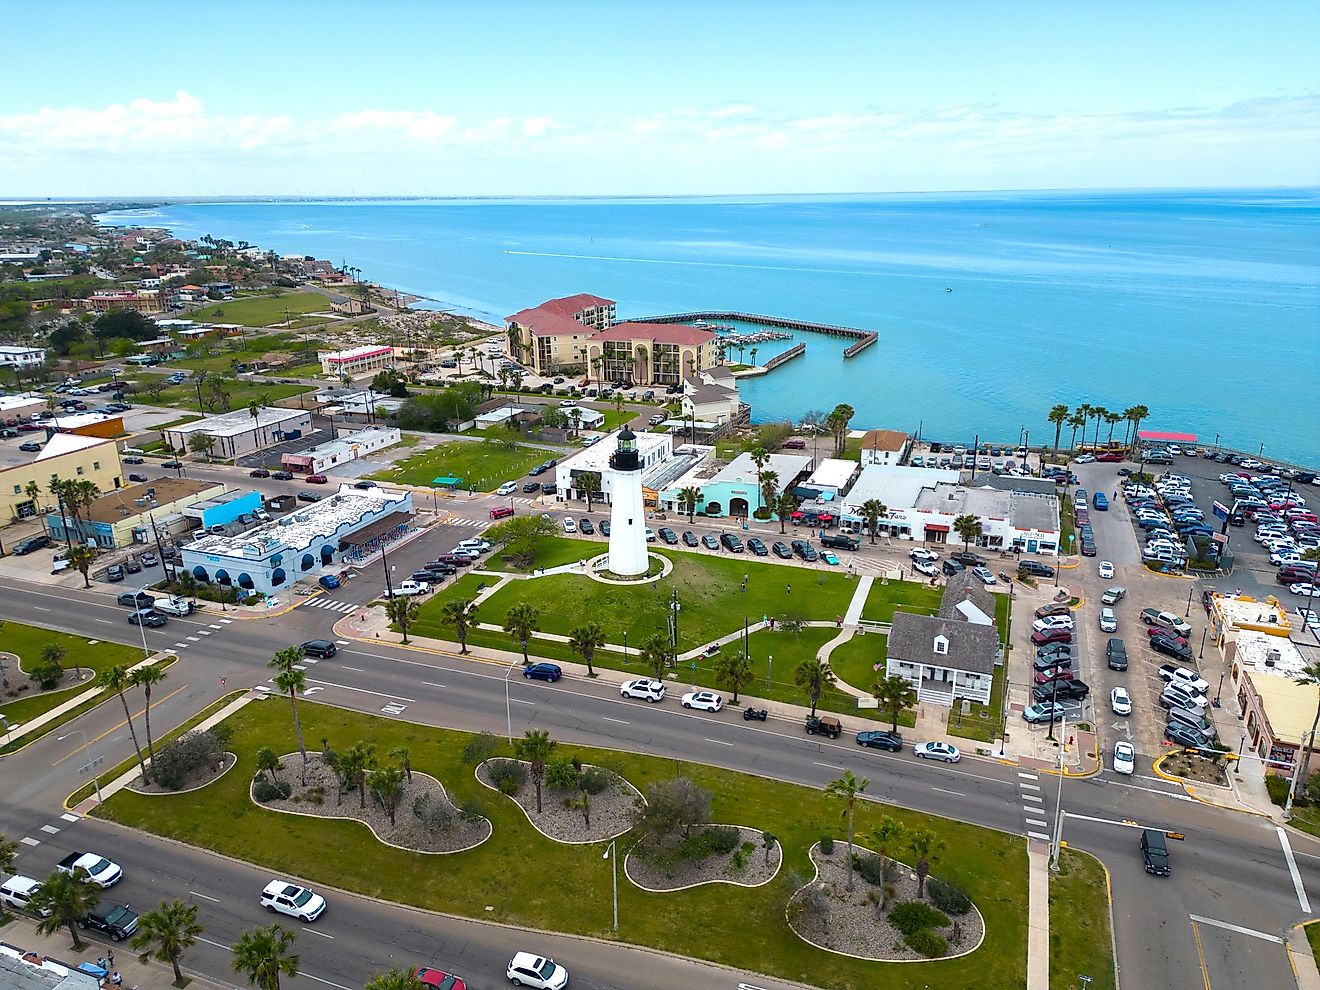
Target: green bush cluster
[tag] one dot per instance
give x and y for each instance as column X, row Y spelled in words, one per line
column 915, row 919
column 508, row 776
column 870, row 869
column 948, row 897
column 178, row 758
column 714, row 840
column 930, row 944
column 827, row 845
column 266, row 790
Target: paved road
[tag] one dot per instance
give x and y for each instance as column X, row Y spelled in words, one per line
column 1231, row 869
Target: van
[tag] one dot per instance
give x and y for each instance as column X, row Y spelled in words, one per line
column 502, row 512
column 1155, row 853
column 1193, row 720
column 951, row 567
column 132, row 451
column 840, row 542
column 17, row 891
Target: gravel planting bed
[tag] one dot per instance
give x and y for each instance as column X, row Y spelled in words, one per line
column 196, row 780
column 611, row 809
column 456, row 835
column 679, row 873
column 849, row 924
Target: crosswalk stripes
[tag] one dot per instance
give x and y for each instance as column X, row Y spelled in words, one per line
column 331, row 604
column 1034, row 813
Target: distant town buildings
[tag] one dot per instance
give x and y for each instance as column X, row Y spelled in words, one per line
column 21, row 358
column 357, row 360
column 122, row 518
column 236, row 433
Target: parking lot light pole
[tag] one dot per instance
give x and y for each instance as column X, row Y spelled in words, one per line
column 612, row 854
column 1190, row 591
column 1057, row 844
column 1201, row 656
column 142, row 628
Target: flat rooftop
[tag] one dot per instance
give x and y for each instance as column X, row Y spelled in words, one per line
column 123, row 504
column 597, row 456
column 1038, row 512
column 741, row 470
column 1246, row 612
column 345, row 442
column 301, row 527
column 895, row 486
column 1266, row 654
column 353, row 353
column 239, row 421
column 833, row 472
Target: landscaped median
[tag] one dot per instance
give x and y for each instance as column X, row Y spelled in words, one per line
column 521, row 877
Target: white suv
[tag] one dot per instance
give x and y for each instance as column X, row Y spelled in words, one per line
column 508, row 488
column 644, row 687
column 288, row 898
column 526, row 969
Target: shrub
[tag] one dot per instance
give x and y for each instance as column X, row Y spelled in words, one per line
column 316, row 795
column 47, row 674
column 265, row 790
column 180, row 757
column 595, row 780
column 827, row 845
column 221, row 733
column 472, row 810
column 560, row 774
column 911, row 917
column 1277, row 787
column 723, row 839
column 434, row 816
column 479, row 749
column 508, row 776
column 948, row 897
column 870, row 869
column 930, row 944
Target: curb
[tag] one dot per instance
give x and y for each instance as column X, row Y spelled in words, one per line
column 703, row 883
column 528, row 815
column 1190, row 790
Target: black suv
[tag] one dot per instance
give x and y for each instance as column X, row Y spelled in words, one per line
column 757, row 546
column 731, row 543
column 689, row 538
column 665, row 533
column 968, row 559
column 1035, row 569
column 1171, row 647
column 1066, row 691
column 951, row 567
column 781, row 550
column 116, row 920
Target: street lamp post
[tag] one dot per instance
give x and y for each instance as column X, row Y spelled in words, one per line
column 1058, row 805
column 1190, row 591
column 612, row 854
column 770, row 670
column 92, row 761
column 1201, row 656
column 142, row 628
column 508, row 705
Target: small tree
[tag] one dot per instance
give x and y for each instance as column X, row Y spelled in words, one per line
column 520, row 622
column 687, row 502
column 201, row 443
column 968, row 528
column 268, row 762
column 394, row 979
column 462, row 615
column 535, row 748
column 767, row 842
column 64, row 899
column 585, row 639
column 893, row 694
column 401, row 610
column 354, row 764
column 656, row 653
column 733, row 672
column 785, row 506
column 924, row 846
column 580, row 802
column 81, row 558
column 263, row 955
column 164, row 933
column 401, row 755
column 886, row 833
column 669, row 811
column 387, row 786
column 847, row 787
column 813, row 675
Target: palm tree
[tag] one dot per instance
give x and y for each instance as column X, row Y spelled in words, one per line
column 760, row 457
column 64, row 899
column 520, row 622
column 873, row 510
column 116, row 679
column 656, row 653
column 785, row 506
column 585, row 639
column 575, row 418
column 968, row 527
column 401, row 610
column 146, row 678
column 82, row 557
column 1137, row 414
column 404, row 759
column 588, row 483
column 1058, row 416
column 268, row 762
column 170, row 928
column 1310, row 674
column 535, row 747
column 462, row 615
column 8, row 857
column 687, row 501
column 733, row 672
column 885, row 834
column 353, row 766
column 1113, row 419
column 263, row 956
column 893, row 694
column 1099, row 412
column 294, row 681
column 387, row 788
column 847, row 787
column 394, row 979
column 841, row 417
column 924, row 845
column 1084, row 412
column 1076, row 420
column 33, row 491
column 813, row 675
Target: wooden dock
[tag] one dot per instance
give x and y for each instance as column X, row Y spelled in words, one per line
column 769, row 321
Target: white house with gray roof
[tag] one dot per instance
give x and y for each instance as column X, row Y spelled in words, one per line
column 949, row 656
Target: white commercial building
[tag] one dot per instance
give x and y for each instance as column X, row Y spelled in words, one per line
column 894, row 487
column 357, row 360
column 236, row 433
column 732, row 490
column 832, row 477
column 302, row 544
column 363, row 402
column 884, row 447
column 20, row 358
column 653, row 451
column 497, row 417
column 347, row 447
column 1008, row 519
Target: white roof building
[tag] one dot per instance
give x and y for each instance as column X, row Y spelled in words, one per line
column 67, row 443
column 238, row 432
column 832, row 475
column 21, row 357
column 347, row 447
column 653, row 451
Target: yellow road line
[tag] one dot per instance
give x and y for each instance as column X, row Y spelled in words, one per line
column 1200, row 955
column 114, row 728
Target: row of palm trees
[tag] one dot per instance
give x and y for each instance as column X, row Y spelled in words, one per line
column 1080, row 418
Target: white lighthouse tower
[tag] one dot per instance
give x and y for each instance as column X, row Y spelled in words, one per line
column 627, row 517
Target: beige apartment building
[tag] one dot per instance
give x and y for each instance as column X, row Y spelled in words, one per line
column 552, row 337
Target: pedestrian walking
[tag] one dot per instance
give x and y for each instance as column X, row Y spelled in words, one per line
column 788, row 589
column 117, row 980
column 101, row 963
column 110, row 957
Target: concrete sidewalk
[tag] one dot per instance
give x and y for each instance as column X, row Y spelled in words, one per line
column 21, row 935
column 1302, row 959
column 1038, row 916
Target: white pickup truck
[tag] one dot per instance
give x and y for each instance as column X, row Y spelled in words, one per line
column 99, row 870
column 411, row 588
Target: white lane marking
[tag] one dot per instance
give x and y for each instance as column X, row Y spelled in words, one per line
column 38, row 608
column 1029, row 787
column 1237, row 928
column 432, row 684
column 345, row 687
column 356, row 670
column 203, row 632
column 828, row 766
column 1028, row 776
column 393, row 709
column 193, row 639
column 215, row 626
column 1292, row 868
column 718, row 742
column 315, row 932
column 180, row 646
column 520, row 701
column 205, row 897
column 954, row 793
column 50, row 829
column 1113, row 782
column 1037, row 821
column 27, row 840
column 106, row 621
column 1033, row 797
column 225, row 622
column 1038, row 835
column 70, row 818
column 342, row 642
column 617, row 721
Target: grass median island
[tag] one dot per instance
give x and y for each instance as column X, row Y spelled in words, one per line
column 1080, row 940
column 533, row 882
column 263, row 311
column 483, row 465
column 28, row 642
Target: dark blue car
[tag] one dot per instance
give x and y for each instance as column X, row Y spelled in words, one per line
column 328, row 582
column 543, row 672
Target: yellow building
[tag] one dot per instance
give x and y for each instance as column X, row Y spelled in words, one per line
column 66, row 457
column 553, row 336
column 651, row 353
column 122, row 518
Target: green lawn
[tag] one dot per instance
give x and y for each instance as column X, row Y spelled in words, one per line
column 241, row 393
column 27, row 642
column 982, row 722
column 853, row 661
column 914, row 596
column 554, row 551
column 504, row 880
column 263, row 311
column 1080, row 943
column 483, row 466
column 711, row 604
column 1313, row 936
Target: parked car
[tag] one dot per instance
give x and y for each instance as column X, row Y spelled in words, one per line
column 135, row 599
column 731, row 543
column 1185, row 735
column 1116, row 654
column 1052, row 661
column 707, row 701
column 825, row 725
column 328, row 581
column 646, row 688
column 17, row 891
column 530, row 970
column 258, row 473
column 1156, row 617
column 437, row 979
column 689, row 538
column 588, row 527
column 308, row 497
column 946, row 752
column 543, row 672
column 781, row 550
column 1120, row 702
column 282, row 897
column 99, row 870
column 709, row 542
column 1061, row 690
column 1035, row 569
column 1045, row 636
column 1044, row 711
column 880, row 739
column 755, row 544
column 114, row 920
column 1053, row 608
column 1168, row 646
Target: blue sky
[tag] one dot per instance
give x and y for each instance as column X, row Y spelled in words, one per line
column 567, row 98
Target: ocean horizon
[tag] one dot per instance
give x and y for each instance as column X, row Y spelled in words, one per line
column 991, row 307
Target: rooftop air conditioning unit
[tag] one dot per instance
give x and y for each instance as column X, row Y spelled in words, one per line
column 140, row 501
column 285, row 521
column 1272, row 658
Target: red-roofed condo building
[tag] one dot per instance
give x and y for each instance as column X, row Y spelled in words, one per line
column 578, row 335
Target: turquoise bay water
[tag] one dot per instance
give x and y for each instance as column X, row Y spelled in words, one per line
column 1203, row 306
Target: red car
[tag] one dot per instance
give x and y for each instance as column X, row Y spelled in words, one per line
column 1109, row 456
column 28, row 427
column 428, row 977
column 1051, row 636
column 1168, row 633
column 317, row 479
column 1054, row 674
